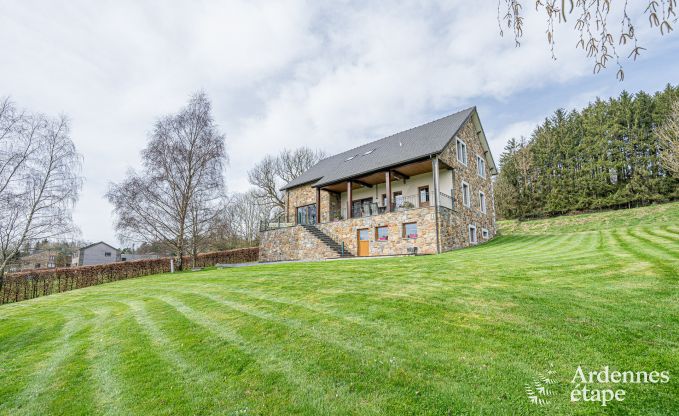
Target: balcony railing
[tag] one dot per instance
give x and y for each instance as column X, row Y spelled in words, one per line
column 446, row 201
column 400, row 203
column 404, row 202
column 274, row 223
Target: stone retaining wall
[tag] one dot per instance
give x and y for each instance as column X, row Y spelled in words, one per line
column 295, row 243
column 291, row 243
column 347, row 231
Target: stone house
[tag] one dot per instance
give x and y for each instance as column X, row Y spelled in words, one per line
column 425, row 190
column 97, row 253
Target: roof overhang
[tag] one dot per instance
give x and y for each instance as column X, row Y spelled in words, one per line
column 371, row 171
column 484, row 142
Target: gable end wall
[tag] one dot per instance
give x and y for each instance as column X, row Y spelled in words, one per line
column 453, row 226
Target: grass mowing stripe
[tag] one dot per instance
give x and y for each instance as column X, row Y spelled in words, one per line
column 266, row 359
column 671, row 229
column 73, row 379
column 105, row 357
column 654, row 244
column 362, row 369
column 534, row 245
column 515, row 242
column 32, row 399
column 145, row 365
column 369, row 363
column 231, row 380
column 317, row 308
column 624, row 260
column 669, row 238
column 570, row 246
column 192, row 377
column 25, row 342
column 658, row 264
column 324, row 330
column 528, row 244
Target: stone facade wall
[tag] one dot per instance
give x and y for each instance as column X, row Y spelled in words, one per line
column 346, row 232
column 306, row 195
column 458, row 236
column 334, row 205
column 295, row 243
column 291, row 243
column 298, row 197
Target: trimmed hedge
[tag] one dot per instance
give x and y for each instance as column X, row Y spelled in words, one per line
column 34, row 283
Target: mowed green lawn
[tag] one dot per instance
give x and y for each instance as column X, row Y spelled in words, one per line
column 459, row 333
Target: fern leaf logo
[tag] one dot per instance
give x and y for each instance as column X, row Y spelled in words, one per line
column 538, row 391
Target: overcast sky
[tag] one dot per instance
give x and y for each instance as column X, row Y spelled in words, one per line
column 289, row 73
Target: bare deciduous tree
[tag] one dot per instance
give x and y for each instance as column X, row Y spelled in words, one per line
column 272, row 172
column 598, row 35
column 237, row 225
column 183, row 168
column 204, row 210
column 668, row 133
column 39, row 180
column 246, row 213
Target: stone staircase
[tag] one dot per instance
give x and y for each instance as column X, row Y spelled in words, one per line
column 327, row 240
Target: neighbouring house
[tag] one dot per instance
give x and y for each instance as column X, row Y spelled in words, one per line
column 97, row 253
column 41, row 259
column 425, row 190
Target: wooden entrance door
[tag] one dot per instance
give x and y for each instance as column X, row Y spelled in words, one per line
column 363, row 242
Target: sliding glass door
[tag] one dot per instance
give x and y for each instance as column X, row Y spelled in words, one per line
column 306, row 215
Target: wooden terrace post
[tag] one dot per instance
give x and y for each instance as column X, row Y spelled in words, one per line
column 387, row 178
column 318, row 205
column 349, row 198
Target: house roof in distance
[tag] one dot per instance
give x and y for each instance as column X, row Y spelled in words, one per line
column 409, row 145
column 95, row 244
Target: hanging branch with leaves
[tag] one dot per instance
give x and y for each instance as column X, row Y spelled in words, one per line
column 596, row 38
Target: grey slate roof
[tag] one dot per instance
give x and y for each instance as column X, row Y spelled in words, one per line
column 94, row 244
column 412, row 144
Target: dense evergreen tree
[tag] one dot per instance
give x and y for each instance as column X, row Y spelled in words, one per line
column 606, row 155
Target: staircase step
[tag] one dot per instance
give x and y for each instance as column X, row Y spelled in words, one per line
column 327, row 240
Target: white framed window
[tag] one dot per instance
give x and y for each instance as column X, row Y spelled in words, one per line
column 461, row 150
column 107, row 254
column 466, row 194
column 484, row 233
column 472, row 234
column 480, row 166
column 482, row 202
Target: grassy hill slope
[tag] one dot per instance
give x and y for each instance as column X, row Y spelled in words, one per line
column 459, row 333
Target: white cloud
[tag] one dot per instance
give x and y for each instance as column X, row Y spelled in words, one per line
column 280, row 74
